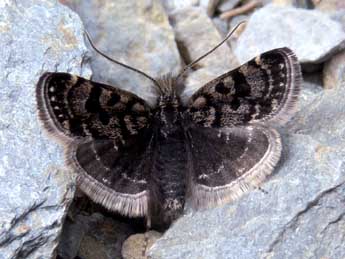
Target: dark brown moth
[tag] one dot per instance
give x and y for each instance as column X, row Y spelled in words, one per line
column 143, row 161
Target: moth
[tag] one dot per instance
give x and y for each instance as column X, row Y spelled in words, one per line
column 143, row 161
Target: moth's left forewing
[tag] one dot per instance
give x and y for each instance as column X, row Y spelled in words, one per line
column 265, row 89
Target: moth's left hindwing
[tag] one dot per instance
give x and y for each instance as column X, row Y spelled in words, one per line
column 107, row 133
column 225, row 163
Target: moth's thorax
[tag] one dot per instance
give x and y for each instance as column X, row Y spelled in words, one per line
column 168, row 114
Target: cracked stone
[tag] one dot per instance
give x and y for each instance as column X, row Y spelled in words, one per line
column 37, row 36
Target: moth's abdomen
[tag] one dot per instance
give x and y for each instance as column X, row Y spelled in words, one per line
column 169, row 175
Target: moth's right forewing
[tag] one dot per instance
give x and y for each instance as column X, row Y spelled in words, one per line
column 73, row 107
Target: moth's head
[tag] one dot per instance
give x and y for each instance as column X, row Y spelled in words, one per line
column 170, row 86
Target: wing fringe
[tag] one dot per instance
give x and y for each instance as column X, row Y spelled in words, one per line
column 44, row 114
column 294, row 86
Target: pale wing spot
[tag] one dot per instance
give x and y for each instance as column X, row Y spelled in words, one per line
column 124, row 98
column 142, row 121
column 65, row 125
column 244, row 69
column 73, row 80
column 200, row 102
column 228, row 81
column 203, row 176
column 258, row 60
column 52, row 89
column 129, row 124
column 138, row 107
column 257, row 112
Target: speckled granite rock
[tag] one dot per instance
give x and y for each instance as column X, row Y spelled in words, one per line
column 35, row 189
column 311, row 34
column 300, row 214
column 134, row 32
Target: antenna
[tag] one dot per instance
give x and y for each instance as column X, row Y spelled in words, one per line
column 119, row 63
column 190, row 65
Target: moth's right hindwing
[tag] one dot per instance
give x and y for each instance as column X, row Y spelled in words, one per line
column 107, row 132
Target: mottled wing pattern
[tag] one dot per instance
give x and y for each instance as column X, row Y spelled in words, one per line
column 225, row 163
column 72, row 107
column 263, row 89
column 107, row 133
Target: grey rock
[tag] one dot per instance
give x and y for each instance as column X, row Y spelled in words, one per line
column 35, row 189
column 172, row 6
column 300, row 213
column 137, row 246
column 74, row 231
column 104, row 240
column 339, row 16
column 227, row 5
column 195, row 35
column 334, row 71
column 136, row 33
column 312, row 35
column 221, row 25
column 330, row 6
column 307, row 4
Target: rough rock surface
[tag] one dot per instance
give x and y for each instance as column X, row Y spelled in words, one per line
column 136, row 33
column 74, row 230
column 137, row 246
column 227, row 5
column 307, row 4
column 300, row 214
column 35, row 190
column 334, row 71
column 304, row 31
column 195, row 35
column 105, row 240
column 330, row 6
column 172, row 6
